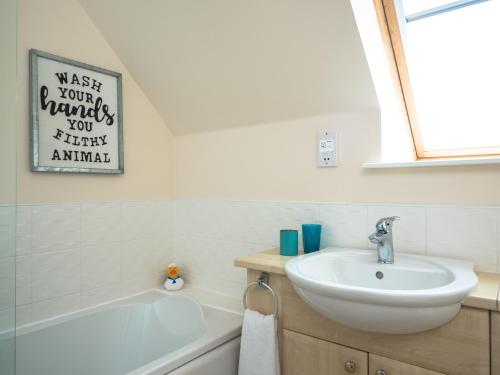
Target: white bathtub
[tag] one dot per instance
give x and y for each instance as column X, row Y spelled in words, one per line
column 151, row 333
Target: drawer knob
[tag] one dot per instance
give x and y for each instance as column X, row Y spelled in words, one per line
column 350, row 366
column 381, row 372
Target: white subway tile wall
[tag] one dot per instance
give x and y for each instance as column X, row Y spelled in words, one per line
column 498, row 243
column 343, row 225
column 465, row 233
column 7, row 231
column 72, row 256
column 7, row 266
column 210, row 233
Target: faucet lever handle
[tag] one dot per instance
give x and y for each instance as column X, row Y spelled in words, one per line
column 384, row 224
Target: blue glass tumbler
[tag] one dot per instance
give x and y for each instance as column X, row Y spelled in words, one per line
column 311, row 236
column 289, row 242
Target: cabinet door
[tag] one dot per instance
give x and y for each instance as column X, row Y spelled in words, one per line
column 306, row 355
column 495, row 343
column 385, row 366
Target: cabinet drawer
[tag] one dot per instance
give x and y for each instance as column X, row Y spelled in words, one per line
column 305, row 355
column 385, row 366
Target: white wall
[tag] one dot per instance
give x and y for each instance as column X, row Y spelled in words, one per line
column 260, row 174
column 83, row 239
column 62, row 27
column 8, row 67
column 216, row 64
column 8, row 25
column 74, row 250
column 277, row 161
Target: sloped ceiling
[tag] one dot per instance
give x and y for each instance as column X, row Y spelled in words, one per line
column 212, row 64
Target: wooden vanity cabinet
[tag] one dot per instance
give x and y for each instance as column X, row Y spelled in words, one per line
column 460, row 347
column 385, row 366
column 306, row 355
column 495, row 343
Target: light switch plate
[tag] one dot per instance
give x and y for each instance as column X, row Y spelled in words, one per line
column 327, row 149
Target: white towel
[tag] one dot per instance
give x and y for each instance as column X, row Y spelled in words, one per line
column 259, row 345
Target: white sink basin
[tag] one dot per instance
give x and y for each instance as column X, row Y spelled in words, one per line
column 414, row 294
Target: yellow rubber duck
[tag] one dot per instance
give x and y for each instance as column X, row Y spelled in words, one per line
column 173, row 280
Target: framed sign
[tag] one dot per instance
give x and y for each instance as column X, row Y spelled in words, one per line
column 76, row 116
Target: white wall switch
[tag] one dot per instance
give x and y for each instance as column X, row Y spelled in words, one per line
column 327, row 148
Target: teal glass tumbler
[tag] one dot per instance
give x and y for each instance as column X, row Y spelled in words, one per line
column 289, row 242
column 311, row 236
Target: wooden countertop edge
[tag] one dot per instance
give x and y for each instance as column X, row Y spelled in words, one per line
column 485, row 296
column 261, row 262
column 483, row 303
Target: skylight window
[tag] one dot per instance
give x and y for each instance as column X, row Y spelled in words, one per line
column 447, row 57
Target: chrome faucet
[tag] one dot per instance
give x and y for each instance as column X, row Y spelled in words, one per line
column 383, row 238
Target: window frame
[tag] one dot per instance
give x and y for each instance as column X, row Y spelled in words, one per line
column 387, row 15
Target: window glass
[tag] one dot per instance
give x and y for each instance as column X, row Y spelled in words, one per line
column 415, row 6
column 453, row 61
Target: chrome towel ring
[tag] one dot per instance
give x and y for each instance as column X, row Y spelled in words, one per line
column 262, row 282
